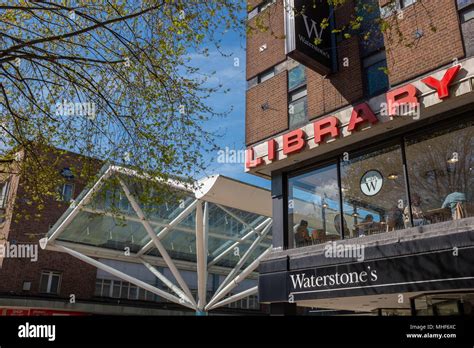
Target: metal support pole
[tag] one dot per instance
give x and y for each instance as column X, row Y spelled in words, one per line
column 166, row 229
column 244, row 257
column 236, row 297
column 202, row 221
column 250, row 268
column 233, row 245
column 161, row 249
column 166, row 281
column 123, row 276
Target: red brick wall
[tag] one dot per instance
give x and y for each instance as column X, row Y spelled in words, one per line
column 273, row 37
column 433, row 49
column 77, row 277
column 261, row 124
column 326, row 94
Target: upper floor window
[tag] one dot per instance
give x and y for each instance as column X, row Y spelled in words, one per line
column 50, row 282
column 371, row 37
column 466, row 13
column 375, row 76
column 296, row 77
column 297, row 109
column 67, row 192
column 266, row 75
column 395, row 6
column 4, row 194
column 260, row 8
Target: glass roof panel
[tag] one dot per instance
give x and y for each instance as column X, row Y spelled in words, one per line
column 109, row 221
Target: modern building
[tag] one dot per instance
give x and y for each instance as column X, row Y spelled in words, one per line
column 101, row 250
column 368, row 139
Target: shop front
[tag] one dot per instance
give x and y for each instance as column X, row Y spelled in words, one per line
column 373, row 205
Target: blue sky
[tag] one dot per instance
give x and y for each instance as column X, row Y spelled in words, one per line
column 232, row 127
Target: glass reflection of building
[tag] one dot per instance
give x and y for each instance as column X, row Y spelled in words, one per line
column 427, row 177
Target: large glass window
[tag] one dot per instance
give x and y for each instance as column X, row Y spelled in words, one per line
column 313, row 206
column 439, row 170
column 375, row 76
column 373, row 192
column 441, row 174
column 297, row 109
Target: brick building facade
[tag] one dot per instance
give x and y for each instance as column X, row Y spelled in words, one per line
column 347, row 160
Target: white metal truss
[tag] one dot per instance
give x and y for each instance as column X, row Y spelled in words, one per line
column 156, row 231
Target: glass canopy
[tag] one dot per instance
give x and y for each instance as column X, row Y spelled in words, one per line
column 111, row 218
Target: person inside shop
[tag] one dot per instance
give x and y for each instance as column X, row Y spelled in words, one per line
column 366, row 225
column 456, row 201
column 416, row 212
column 302, row 237
column 337, row 225
column 395, row 218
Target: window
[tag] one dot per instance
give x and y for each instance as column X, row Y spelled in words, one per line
column 67, row 192
column 266, row 75
column 296, row 77
column 4, row 194
column 297, row 108
column 441, row 174
column 375, row 76
column 260, row 8
column 395, row 6
column 466, row 12
column 436, row 167
column 50, row 282
column 26, row 286
column 313, row 206
column 3, row 199
column 464, row 3
column 370, row 37
column 373, row 192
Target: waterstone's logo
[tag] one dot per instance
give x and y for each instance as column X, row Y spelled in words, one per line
column 303, row 281
column 371, row 183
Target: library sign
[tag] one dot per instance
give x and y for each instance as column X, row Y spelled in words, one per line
column 329, row 127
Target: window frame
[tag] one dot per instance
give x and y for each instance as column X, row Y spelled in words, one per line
column 63, row 189
column 304, row 90
column 401, row 140
column 370, row 61
column 50, row 275
column 5, row 190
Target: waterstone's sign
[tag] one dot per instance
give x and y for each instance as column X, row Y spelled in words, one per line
column 329, row 127
column 386, row 275
column 308, row 34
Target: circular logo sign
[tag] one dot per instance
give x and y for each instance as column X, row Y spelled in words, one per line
column 371, row 183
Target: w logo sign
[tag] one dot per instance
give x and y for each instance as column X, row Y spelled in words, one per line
column 313, row 27
column 371, row 183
